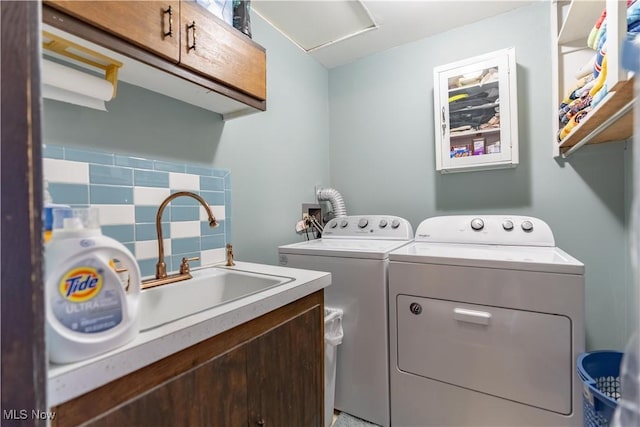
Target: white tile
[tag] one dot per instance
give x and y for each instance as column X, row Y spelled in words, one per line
column 116, row 214
column 185, row 229
column 148, row 249
column 218, row 212
column 149, row 196
column 213, row 256
column 184, row 181
column 65, row 171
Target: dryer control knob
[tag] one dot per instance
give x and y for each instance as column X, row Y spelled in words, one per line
column 477, row 224
column 382, row 223
column 344, row 223
column 395, row 223
column 507, row 224
column 527, row 226
column 363, row 222
column 333, row 224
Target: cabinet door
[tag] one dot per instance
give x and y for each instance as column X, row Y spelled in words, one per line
column 217, row 50
column 285, row 373
column 152, row 25
column 476, row 113
column 213, row 394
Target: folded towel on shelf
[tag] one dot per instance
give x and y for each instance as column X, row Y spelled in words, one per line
column 562, row 134
column 569, row 111
column 601, row 77
column 571, row 95
column 596, row 28
column 599, row 96
column 584, row 90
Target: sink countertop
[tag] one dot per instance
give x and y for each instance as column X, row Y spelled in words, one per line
column 68, row 381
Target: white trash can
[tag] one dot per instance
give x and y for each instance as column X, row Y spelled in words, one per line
column 333, row 334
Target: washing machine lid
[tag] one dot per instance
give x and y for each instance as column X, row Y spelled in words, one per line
column 346, row 248
column 527, row 258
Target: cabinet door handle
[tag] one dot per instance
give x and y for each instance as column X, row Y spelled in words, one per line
column 169, row 12
column 260, row 422
column 191, row 26
column 444, row 122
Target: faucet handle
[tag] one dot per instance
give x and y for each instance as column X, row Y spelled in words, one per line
column 184, row 267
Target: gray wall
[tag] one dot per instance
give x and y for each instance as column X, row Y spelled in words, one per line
column 275, row 158
column 382, row 156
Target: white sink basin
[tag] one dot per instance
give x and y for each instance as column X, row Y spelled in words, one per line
column 209, row 287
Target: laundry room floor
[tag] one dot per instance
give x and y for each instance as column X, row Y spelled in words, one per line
column 342, row 419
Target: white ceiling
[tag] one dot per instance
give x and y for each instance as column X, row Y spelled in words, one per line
column 336, row 32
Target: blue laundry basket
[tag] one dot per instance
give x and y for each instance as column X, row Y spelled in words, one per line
column 600, row 374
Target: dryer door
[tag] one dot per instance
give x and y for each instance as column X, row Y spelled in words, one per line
column 518, row 355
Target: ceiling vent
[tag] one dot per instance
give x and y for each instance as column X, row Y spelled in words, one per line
column 313, row 24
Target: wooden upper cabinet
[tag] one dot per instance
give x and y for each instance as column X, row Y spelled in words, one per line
column 216, row 50
column 151, row 25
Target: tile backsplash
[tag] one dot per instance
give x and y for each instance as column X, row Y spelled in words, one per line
column 128, row 191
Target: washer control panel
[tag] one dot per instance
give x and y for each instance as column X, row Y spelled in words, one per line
column 514, row 230
column 384, row 227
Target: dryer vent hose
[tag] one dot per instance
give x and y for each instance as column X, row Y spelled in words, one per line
column 334, row 197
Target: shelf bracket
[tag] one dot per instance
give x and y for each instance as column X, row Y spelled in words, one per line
column 604, row 125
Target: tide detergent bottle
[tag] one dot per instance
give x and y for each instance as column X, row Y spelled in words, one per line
column 92, row 288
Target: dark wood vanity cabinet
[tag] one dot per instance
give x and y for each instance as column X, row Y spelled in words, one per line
column 266, row 372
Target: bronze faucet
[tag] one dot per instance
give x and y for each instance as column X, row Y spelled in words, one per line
column 230, row 262
column 161, row 267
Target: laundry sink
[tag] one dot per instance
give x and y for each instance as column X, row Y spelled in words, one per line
column 209, row 287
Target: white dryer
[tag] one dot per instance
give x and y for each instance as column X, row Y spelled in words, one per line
column 355, row 249
column 486, row 323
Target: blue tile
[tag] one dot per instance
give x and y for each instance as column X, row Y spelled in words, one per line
column 185, row 245
column 227, row 204
column 111, row 195
column 148, row 231
column 199, row 170
column 145, row 178
column 148, row 214
column 131, row 246
column 183, row 201
column 176, row 260
column 88, row 156
column 213, row 198
column 227, row 181
column 227, row 230
column 213, row 242
column 133, row 162
column 99, row 174
column 220, row 173
column 208, row 183
column 69, row 194
column 160, row 165
column 205, row 230
column 52, row 152
column 185, row 213
column 148, row 266
column 122, row 233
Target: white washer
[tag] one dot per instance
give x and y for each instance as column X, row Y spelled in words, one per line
column 355, row 249
column 486, row 323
